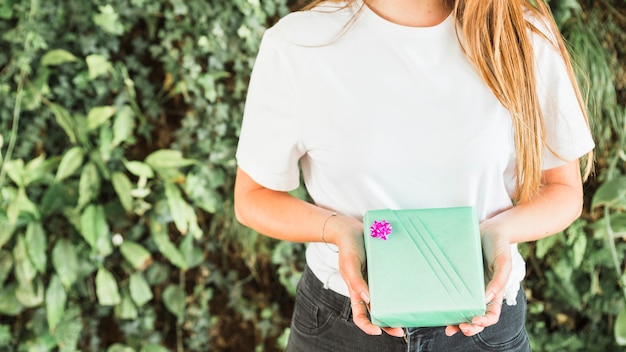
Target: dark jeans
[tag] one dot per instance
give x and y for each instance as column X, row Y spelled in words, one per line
column 322, row 321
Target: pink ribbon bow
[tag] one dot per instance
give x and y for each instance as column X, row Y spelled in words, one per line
column 380, row 229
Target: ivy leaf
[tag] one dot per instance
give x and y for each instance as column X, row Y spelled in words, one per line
column 174, row 300
column 69, row 330
column 89, row 185
column 57, row 57
column 65, row 262
column 177, row 207
column 95, row 231
column 123, row 126
column 6, row 264
column 30, row 294
column 71, row 161
column 21, row 204
column 126, row 309
column 25, row 272
column 37, row 169
column 136, row 255
column 65, row 120
column 15, row 171
column 620, row 328
column 193, row 254
column 55, row 302
column 611, row 194
column 36, row 246
column 139, row 169
column 99, row 115
column 118, row 347
column 109, row 20
column 140, row 291
column 9, row 305
column 6, row 228
column 167, row 159
column 98, row 65
column 165, row 246
column 151, row 347
column 123, row 188
column 106, row 288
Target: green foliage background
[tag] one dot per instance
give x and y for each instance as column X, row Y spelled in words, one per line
column 118, row 123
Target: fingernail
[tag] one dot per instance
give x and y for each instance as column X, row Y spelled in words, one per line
column 365, row 297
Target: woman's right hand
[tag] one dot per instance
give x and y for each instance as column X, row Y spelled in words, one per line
column 348, row 236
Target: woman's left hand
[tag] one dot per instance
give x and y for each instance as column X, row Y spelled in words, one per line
column 497, row 252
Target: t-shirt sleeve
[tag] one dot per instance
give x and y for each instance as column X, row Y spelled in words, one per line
column 567, row 134
column 269, row 148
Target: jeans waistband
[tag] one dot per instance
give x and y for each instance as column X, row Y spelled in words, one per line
column 315, row 288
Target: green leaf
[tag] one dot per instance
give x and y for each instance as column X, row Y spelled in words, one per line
column 151, row 347
column 15, row 171
column 36, row 246
column 65, row 262
column 123, row 188
column 30, row 294
column 89, row 185
column 118, row 347
column 38, row 168
column 9, row 305
column 95, row 231
column 177, row 206
column 6, row 228
column 99, row 115
column 21, row 204
column 174, row 299
column 611, row 194
column 6, row 264
column 69, row 330
column 136, row 255
column 98, row 65
column 193, row 254
column 545, row 244
column 124, row 126
column 5, row 335
column 55, row 302
column 620, row 328
column 140, row 291
column 105, row 143
column 579, row 249
column 139, row 169
column 165, row 246
column 106, row 288
column 617, row 223
column 167, row 159
column 72, row 160
column 25, row 272
column 65, row 120
column 126, row 309
column 109, row 20
column 57, row 57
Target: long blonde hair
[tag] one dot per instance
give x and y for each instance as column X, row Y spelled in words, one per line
column 495, row 39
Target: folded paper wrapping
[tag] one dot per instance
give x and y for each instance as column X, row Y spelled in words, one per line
column 429, row 272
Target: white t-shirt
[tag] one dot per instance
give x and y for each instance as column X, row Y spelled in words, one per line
column 379, row 115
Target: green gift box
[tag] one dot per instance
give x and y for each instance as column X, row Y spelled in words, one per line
column 429, row 269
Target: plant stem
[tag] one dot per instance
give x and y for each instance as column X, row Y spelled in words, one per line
column 17, row 109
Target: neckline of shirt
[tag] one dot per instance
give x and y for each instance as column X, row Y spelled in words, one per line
column 381, row 23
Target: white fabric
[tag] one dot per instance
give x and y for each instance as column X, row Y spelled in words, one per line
column 378, row 115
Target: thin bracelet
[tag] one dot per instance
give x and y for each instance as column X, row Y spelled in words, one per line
column 324, row 230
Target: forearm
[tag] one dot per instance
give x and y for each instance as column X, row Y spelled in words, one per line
column 282, row 216
column 555, row 207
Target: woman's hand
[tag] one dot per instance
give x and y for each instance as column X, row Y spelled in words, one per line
column 497, row 253
column 352, row 265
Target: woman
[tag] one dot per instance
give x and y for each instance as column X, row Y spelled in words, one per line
column 410, row 104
